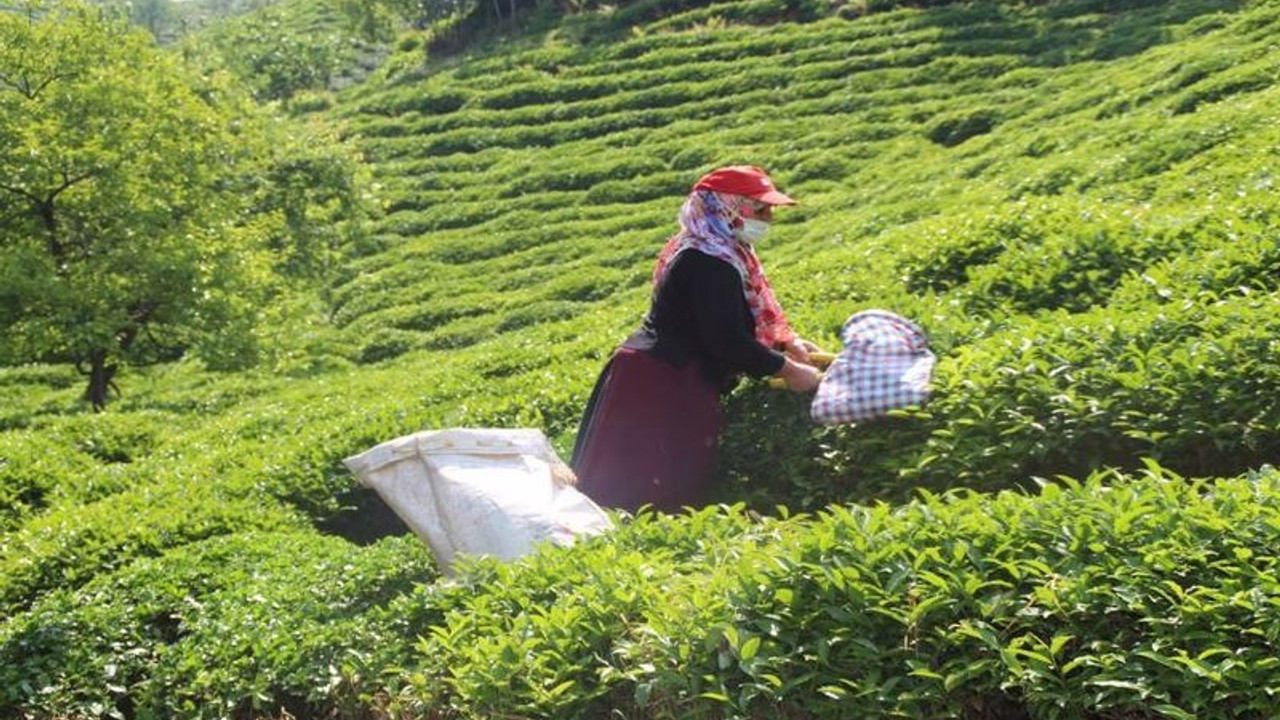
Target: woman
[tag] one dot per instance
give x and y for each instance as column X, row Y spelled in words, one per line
column 650, row 430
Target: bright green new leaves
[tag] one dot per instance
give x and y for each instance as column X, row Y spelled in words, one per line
column 218, row 628
column 116, row 223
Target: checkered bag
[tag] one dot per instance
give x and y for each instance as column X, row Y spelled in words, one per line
column 885, row 365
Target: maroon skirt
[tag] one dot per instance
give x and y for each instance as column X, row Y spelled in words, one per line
column 649, row 435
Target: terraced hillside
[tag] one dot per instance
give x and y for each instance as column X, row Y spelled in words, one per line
column 1075, row 199
column 976, row 168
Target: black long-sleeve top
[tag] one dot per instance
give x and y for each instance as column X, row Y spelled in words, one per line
column 700, row 312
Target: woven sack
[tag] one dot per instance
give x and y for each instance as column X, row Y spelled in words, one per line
column 479, row 491
column 885, row 365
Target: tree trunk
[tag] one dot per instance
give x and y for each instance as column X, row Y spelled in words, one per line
column 50, row 221
column 100, row 374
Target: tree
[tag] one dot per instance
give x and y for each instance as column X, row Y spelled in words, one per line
column 271, row 52
column 119, row 215
column 157, row 16
column 369, row 18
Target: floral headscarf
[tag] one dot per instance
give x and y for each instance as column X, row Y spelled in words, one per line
column 707, row 220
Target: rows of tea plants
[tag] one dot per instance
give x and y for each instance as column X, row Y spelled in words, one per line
column 1149, row 596
column 1075, row 199
column 995, row 173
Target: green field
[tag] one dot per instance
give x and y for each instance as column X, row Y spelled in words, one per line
column 1075, row 198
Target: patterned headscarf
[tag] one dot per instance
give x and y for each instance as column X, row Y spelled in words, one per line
column 707, row 222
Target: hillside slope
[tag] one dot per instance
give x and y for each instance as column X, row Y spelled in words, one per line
column 1075, row 199
column 998, row 173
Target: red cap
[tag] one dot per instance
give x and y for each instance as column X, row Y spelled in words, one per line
column 747, row 180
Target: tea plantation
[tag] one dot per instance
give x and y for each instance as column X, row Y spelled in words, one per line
column 1075, row 198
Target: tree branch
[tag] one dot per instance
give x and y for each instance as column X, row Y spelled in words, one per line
column 20, row 191
column 69, row 180
column 23, row 86
column 43, row 207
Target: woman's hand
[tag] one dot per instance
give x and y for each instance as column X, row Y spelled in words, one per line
column 798, row 349
column 799, row 377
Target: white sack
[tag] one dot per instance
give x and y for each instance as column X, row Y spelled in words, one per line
column 479, row 491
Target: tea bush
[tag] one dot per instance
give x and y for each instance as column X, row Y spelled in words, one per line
column 953, row 605
column 32, row 468
column 543, row 643
column 1097, row 598
column 69, row 544
column 1106, row 389
column 256, row 622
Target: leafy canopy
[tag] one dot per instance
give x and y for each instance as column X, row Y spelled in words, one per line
column 116, row 225
column 144, row 208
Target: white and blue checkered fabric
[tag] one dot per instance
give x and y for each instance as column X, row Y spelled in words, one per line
column 885, row 365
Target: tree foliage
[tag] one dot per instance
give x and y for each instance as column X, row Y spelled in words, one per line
column 138, row 199
column 159, row 17
column 422, row 13
column 280, row 50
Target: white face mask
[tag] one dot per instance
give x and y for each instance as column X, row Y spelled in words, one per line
column 752, row 230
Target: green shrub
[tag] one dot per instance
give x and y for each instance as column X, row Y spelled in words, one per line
column 582, row 176
column 309, row 102
column 630, row 191
column 541, row 312
column 258, row 622
column 951, row 249
column 539, row 637
column 584, row 285
column 116, row 437
column 32, row 467
column 953, row 130
column 442, row 102
column 1106, row 389
column 56, row 376
column 1092, row 599
column 946, row 606
column 66, row 547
